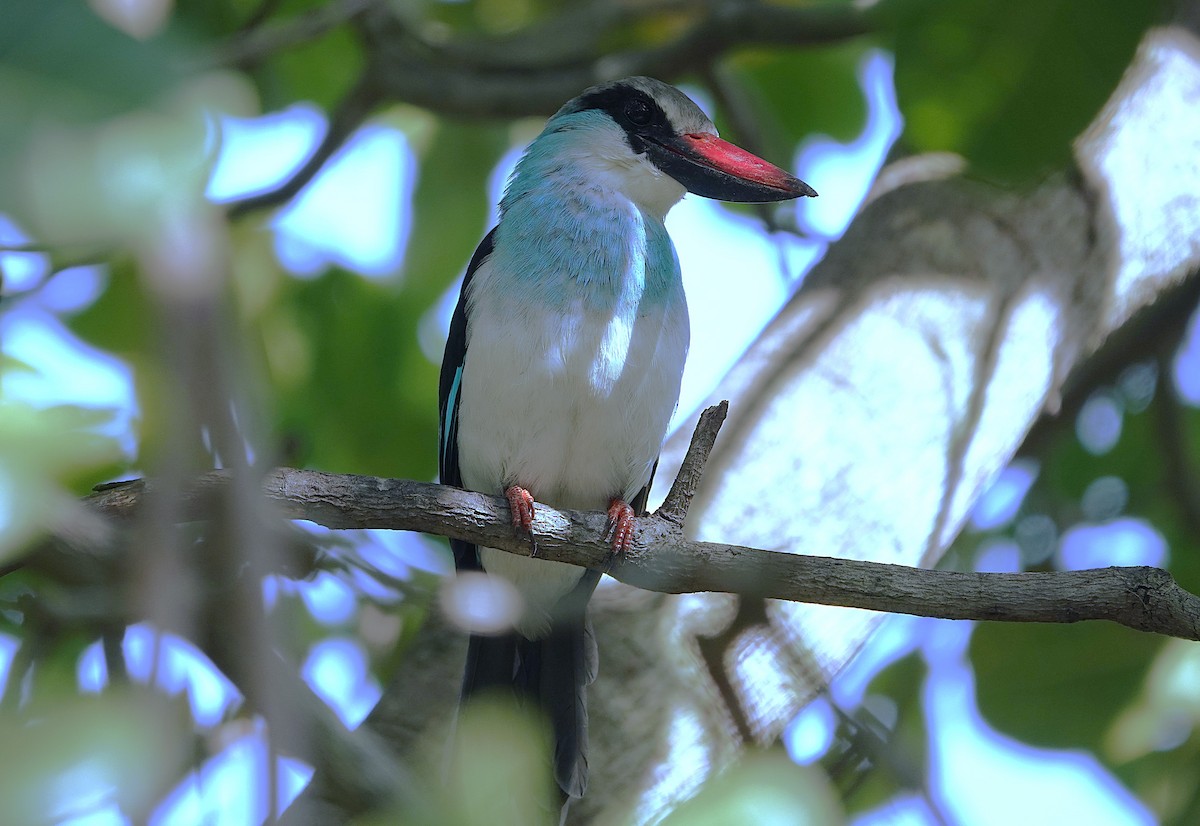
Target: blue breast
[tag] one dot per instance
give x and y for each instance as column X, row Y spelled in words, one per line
column 568, row 238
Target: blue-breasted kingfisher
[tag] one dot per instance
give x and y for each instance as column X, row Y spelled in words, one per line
column 564, row 360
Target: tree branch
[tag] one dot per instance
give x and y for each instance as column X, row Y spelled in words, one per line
column 440, row 78
column 1156, row 327
column 495, row 78
column 258, row 40
column 662, row 559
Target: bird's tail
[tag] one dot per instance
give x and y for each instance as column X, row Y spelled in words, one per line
column 553, row 672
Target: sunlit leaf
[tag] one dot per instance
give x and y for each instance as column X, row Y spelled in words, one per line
column 766, row 789
column 498, row 767
column 120, row 747
column 1058, row 686
column 42, row 453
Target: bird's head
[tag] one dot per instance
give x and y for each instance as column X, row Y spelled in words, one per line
column 650, row 141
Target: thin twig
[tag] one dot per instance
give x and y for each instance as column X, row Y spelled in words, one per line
column 751, row 613
column 1138, row 339
column 679, row 498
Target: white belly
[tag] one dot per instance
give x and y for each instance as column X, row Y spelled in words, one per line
column 573, row 406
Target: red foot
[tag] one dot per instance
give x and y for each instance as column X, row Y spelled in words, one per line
column 620, row 524
column 520, row 502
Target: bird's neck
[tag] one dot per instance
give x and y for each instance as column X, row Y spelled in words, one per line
column 572, row 236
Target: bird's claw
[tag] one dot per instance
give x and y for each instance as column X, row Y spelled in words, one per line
column 620, row 525
column 520, row 502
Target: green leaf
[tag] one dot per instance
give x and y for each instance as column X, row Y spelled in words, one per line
column 498, row 768
column 1010, row 83
column 45, row 452
column 76, row 64
column 450, row 205
column 61, row 64
column 321, row 70
column 334, row 360
column 797, row 93
column 1058, row 686
column 128, row 745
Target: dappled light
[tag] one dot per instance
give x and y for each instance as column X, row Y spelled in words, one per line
column 219, row 790
column 170, row 663
column 233, row 236
column 337, row 670
column 1098, row 425
column 999, row 505
column 481, row 604
column 970, row 761
column 810, row 733
column 1119, row 542
column 843, row 174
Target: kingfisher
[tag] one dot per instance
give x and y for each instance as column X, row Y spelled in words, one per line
column 563, row 363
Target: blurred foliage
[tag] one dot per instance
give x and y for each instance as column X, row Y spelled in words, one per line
column 126, row 747
column 1127, row 697
column 1032, row 678
column 50, row 455
column 1099, row 686
column 499, row 756
column 1010, row 85
column 788, row 108
column 105, row 148
column 881, row 755
column 763, row 787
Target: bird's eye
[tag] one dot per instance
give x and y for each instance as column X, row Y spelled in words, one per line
column 638, row 112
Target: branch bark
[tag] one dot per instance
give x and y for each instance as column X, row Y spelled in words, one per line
column 496, row 77
column 451, row 80
column 662, row 559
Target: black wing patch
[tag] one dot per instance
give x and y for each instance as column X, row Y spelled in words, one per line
column 642, row 499
column 449, row 385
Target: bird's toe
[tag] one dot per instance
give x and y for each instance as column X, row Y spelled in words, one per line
column 520, row 503
column 621, row 524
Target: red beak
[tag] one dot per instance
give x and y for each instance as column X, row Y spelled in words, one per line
column 713, row 168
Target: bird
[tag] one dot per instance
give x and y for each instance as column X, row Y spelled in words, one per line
column 563, row 365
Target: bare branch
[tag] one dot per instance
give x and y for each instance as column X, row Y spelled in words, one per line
column 1158, row 326
column 679, row 498
column 259, row 40
column 452, row 79
column 437, row 77
column 663, row 560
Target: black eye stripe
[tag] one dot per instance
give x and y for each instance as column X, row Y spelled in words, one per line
column 639, row 112
column 629, row 106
